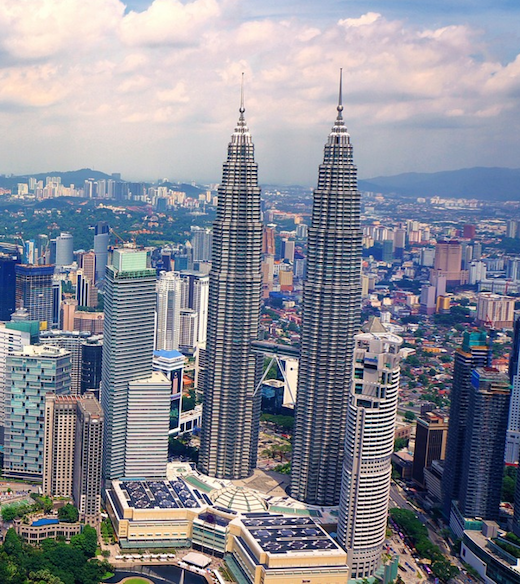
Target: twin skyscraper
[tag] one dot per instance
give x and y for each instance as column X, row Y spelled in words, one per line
column 331, row 312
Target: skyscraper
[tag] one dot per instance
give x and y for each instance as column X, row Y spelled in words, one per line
column 168, row 311
column 11, row 340
column 229, row 439
column 34, row 291
column 31, row 373
column 101, row 239
column 475, row 352
column 72, row 451
column 330, row 318
column 448, row 261
column 369, row 445
column 483, row 460
column 64, row 250
column 127, row 347
column 430, row 443
column 513, row 426
column 8, row 284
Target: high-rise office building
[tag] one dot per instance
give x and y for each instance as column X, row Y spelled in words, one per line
column 31, row 373
column 448, row 261
column 233, row 371
column 72, row 452
column 475, row 352
column 147, row 426
column 367, row 468
column 330, row 319
column 483, row 460
column 101, row 239
column 72, row 342
column 64, row 250
column 10, row 341
column 91, row 364
column 168, row 311
column 171, row 363
column 128, row 340
column 201, row 241
column 88, row 265
column 430, row 443
column 8, row 284
column 512, row 455
column 34, row 291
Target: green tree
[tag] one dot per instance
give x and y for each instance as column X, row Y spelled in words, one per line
column 509, row 484
column 410, row 416
column 190, row 401
column 43, row 577
column 68, row 513
column 399, row 444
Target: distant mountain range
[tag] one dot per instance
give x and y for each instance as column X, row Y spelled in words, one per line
column 501, row 184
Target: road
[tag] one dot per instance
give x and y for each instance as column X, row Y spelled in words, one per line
column 398, row 499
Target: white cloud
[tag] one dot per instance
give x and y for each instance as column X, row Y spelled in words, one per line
column 169, row 22
column 169, row 77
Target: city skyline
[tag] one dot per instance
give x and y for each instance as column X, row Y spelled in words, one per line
column 443, row 97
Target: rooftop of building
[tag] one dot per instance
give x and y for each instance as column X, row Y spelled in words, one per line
column 41, row 351
column 158, row 494
column 276, row 534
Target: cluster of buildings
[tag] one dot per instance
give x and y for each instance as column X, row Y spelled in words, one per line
column 88, row 399
column 162, row 196
column 59, row 432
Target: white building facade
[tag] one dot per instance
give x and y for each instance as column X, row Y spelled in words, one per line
column 369, row 445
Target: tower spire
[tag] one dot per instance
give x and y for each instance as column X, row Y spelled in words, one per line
column 242, row 108
column 340, row 97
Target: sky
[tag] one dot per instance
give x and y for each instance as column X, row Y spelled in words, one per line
column 151, row 89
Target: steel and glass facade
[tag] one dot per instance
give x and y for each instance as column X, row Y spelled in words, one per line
column 330, row 318
column 229, row 439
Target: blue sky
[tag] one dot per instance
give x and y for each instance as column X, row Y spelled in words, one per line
column 151, row 89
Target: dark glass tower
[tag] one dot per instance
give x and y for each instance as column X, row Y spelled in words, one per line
column 229, row 439
column 484, row 445
column 8, row 285
column 475, row 352
column 331, row 311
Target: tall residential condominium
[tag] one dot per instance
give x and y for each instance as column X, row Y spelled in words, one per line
column 195, row 290
column 168, row 311
column 495, row 310
column 483, row 460
column 367, row 467
column 475, row 352
column 229, row 439
column 31, row 373
column 128, row 341
column 330, row 319
column 512, row 455
column 430, row 443
column 34, row 291
column 72, row 451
